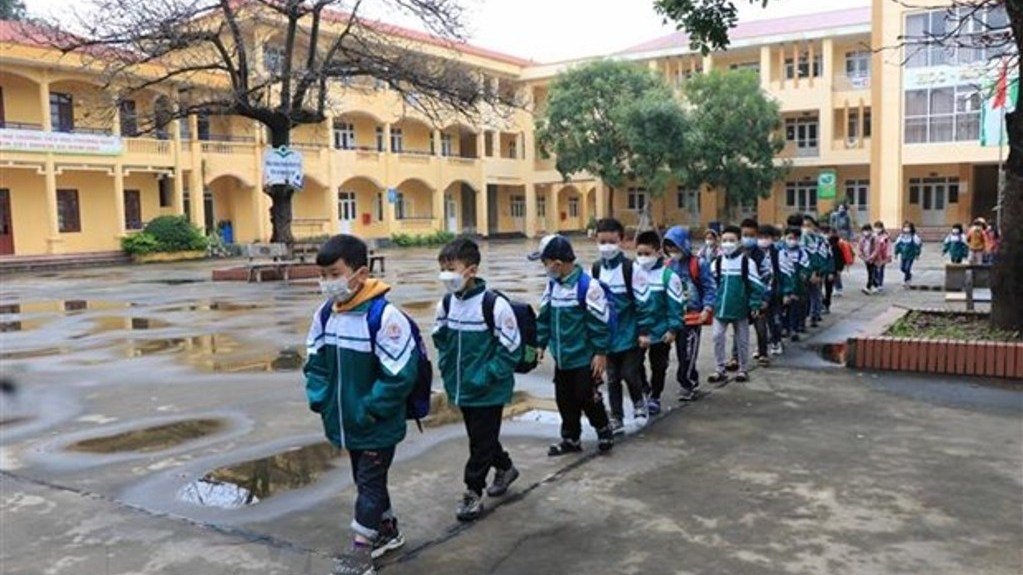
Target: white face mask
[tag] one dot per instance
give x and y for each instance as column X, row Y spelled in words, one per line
column 792, row 243
column 609, row 251
column 709, row 244
column 905, row 230
column 729, row 247
column 646, row 262
column 453, row 281
column 764, row 244
column 337, row 289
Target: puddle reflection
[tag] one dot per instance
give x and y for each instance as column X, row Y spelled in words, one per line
column 150, row 439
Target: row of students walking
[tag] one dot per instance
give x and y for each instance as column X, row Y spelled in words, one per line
column 368, row 370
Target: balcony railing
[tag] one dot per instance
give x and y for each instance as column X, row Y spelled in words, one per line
column 148, row 146
column 20, row 125
column 807, row 152
column 226, row 147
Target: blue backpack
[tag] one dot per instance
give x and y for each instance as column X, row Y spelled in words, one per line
column 417, row 404
column 583, row 287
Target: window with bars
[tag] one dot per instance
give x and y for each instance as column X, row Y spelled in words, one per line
column 518, row 207
column 68, row 216
column 380, row 138
column 62, row 112
column 541, row 207
column 852, row 130
column 803, row 132
column 857, row 194
column 397, row 141
column 805, row 68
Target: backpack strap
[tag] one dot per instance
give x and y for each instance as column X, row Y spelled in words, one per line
column 717, row 269
column 489, row 302
column 374, row 316
column 582, row 287
column 595, row 270
column 627, row 276
column 446, row 304
column 325, row 312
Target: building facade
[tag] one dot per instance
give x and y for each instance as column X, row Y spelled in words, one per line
column 76, row 174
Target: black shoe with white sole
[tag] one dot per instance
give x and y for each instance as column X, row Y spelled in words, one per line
column 503, row 478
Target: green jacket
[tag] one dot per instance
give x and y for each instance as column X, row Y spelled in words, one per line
column 908, row 246
column 955, row 246
column 819, row 249
column 572, row 332
column 736, row 297
column 611, row 273
column 477, row 365
column 660, row 300
column 359, row 388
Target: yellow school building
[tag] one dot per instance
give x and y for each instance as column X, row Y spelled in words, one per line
column 898, row 128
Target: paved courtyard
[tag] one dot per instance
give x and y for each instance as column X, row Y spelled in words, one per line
column 160, row 426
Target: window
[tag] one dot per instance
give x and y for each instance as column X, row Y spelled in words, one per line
column 62, row 112
column 803, row 132
column 129, row 119
column 933, row 193
column 445, row 145
column 202, row 121
column 637, row 199
column 750, row 66
column 346, row 206
column 166, row 187
column 857, row 65
column 801, row 196
column 273, row 59
column 344, row 136
column 518, row 207
column 573, row 207
column 401, row 210
column 805, row 68
column 977, row 36
column 857, row 194
column 380, row 138
column 947, row 114
column 378, row 206
column 541, row 207
column 68, row 217
column 132, row 210
column 397, row 140
column 689, row 200
column 853, row 129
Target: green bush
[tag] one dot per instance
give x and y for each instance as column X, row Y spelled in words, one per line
column 419, row 240
column 176, row 234
column 140, row 244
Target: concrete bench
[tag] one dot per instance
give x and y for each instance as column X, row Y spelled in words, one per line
column 264, row 257
column 955, row 276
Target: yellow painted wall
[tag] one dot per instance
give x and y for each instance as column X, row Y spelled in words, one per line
column 21, row 99
column 28, row 208
column 96, row 212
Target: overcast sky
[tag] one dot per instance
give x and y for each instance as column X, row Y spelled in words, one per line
column 553, row 30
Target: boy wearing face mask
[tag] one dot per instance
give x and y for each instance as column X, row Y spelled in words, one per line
column 821, row 266
column 625, row 360
column 955, row 246
column 796, row 262
column 907, row 248
column 749, row 246
column 739, row 298
column 574, row 325
column 359, row 388
column 702, row 289
column 660, row 303
column 477, row 363
column 781, row 284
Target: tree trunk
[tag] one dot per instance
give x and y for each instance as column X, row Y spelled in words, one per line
column 1007, row 274
column 280, row 196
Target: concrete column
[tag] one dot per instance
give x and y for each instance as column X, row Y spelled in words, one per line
column 781, row 65
column 54, row 241
column 601, row 191
column 333, row 182
column 795, row 64
column 862, row 121
column 482, row 211
column 387, row 138
column 44, row 102
column 553, row 212
column 116, row 128
column 810, row 53
column 520, row 146
column 196, row 183
column 481, row 144
column 120, row 230
column 438, row 209
column 179, row 175
column 531, row 210
column 584, row 209
column 437, row 144
column 765, row 67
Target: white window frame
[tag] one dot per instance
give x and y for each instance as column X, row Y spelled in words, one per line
column 573, row 207
column 806, row 68
column 517, row 206
column 347, row 206
column 857, row 67
column 688, row 200
column 855, row 191
column 852, row 129
column 541, row 207
column 801, row 196
column 402, row 206
column 273, row 59
column 380, row 139
column 445, row 144
column 962, row 119
column 798, row 131
column 921, row 25
column 344, row 136
column 637, row 199
column 397, row 141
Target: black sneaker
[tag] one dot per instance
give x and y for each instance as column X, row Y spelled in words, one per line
column 717, row 377
column 742, row 377
column 564, row 447
column 686, row 395
column 795, row 337
column 503, row 478
column 606, row 440
column 471, row 507
column 388, row 538
column 732, row 365
column 358, row 561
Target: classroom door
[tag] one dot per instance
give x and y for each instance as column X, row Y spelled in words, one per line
column 6, row 231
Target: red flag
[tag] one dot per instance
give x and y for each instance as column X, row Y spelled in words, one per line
column 1001, row 88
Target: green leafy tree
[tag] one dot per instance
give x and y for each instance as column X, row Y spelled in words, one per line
column 735, row 136
column 12, row 10
column 706, row 22
column 602, row 118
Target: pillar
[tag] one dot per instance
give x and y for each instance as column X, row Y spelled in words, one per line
column 810, row 53
column 120, row 230
column 584, row 209
column 795, row 64
column 765, row 67
column 437, row 146
column 531, row 214
column 54, row 241
column 438, row 209
column 482, row 211
column 553, row 211
column 44, row 102
column 387, row 138
column 481, row 144
column 179, row 174
column 601, row 190
column 196, row 185
column 781, row 65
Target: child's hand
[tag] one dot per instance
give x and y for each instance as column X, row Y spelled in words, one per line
column 598, row 365
column 669, row 337
column 644, row 341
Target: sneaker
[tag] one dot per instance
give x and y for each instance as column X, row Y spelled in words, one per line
column 763, row 361
column 732, row 365
column 358, row 561
column 838, row 292
column 742, row 377
column 617, row 428
column 640, row 416
column 775, row 349
column 564, row 447
column 867, row 291
column 503, row 478
column 686, row 395
column 795, row 337
column 827, row 310
column 653, row 406
column 388, row 539
column 756, row 355
column 471, row 507
column 605, row 440
column 717, row 377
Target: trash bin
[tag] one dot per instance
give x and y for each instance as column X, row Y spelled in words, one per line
column 226, row 232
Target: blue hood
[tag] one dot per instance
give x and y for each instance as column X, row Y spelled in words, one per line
column 679, row 236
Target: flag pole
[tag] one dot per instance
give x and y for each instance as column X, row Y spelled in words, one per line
column 1001, row 172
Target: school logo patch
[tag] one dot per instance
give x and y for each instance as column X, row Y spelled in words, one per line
column 640, row 281
column 392, row 331
column 509, row 323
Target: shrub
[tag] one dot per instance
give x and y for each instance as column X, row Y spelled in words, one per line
column 140, row 244
column 176, row 233
column 438, row 238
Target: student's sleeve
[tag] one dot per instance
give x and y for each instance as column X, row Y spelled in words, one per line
column 945, row 244
column 598, row 318
column 317, row 365
column 441, row 335
column 543, row 319
column 645, row 319
column 710, row 286
column 675, row 289
column 397, row 366
column 787, row 281
column 509, row 343
column 756, row 296
column 766, row 273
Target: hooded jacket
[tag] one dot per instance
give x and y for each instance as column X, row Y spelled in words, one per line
column 660, row 300
column 703, row 294
column 357, row 386
column 572, row 332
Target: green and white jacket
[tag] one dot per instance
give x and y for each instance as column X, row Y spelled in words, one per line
column 477, row 364
column 572, row 332
column 736, row 297
column 660, row 300
column 626, row 330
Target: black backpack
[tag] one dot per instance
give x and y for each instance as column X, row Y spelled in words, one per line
column 626, row 275
column 524, row 316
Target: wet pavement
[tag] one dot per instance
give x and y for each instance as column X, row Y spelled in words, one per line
column 160, row 426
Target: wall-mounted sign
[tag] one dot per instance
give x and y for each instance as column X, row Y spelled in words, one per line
column 282, row 166
column 15, row 140
column 392, row 195
column 826, row 180
column 938, row 76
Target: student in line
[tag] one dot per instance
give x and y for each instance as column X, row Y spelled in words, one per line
column 699, row 307
column 739, row 298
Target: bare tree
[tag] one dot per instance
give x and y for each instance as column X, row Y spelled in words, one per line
column 212, row 54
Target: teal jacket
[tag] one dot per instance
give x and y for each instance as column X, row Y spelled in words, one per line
column 477, row 364
column 737, row 298
column 660, row 300
column 908, row 246
column 955, row 246
column 359, row 388
column 819, row 250
column 573, row 333
column 626, row 329
column 797, row 262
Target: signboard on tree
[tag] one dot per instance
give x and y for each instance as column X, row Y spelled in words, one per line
column 282, row 167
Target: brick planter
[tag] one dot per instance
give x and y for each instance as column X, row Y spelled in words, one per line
column 939, row 356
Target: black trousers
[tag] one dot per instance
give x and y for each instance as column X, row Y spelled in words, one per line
column 576, row 393
column 627, row 365
column 687, row 349
column 659, row 354
column 483, row 424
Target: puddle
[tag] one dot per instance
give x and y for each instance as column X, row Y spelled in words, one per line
column 32, row 353
column 107, row 324
column 70, row 306
column 229, row 307
column 219, row 353
column 173, row 282
column 250, row 482
column 150, row 439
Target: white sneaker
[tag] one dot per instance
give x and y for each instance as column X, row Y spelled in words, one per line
column 640, row 417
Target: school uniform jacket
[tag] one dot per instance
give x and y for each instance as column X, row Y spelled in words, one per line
column 737, row 298
column 660, row 300
column 573, row 333
column 612, row 273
